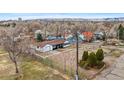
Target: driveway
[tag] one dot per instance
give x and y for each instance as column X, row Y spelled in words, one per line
column 115, row 72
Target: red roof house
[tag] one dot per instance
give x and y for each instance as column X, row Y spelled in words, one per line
column 88, row 35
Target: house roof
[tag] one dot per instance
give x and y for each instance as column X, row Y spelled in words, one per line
column 99, row 33
column 52, row 42
column 54, row 38
column 88, row 34
column 69, row 36
column 82, row 37
column 51, row 37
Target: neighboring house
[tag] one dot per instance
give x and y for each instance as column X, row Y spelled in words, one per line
column 55, row 38
column 88, row 35
column 69, row 36
column 99, row 36
column 51, row 38
column 82, row 37
column 72, row 39
column 66, row 35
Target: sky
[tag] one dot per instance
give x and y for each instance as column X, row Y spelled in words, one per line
column 13, row 16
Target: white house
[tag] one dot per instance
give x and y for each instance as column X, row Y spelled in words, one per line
column 44, row 48
column 49, row 45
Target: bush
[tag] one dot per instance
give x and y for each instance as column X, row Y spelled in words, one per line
column 92, row 60
column 82, row 63
column 85, row 56
column 99, row 55
column 100, row 64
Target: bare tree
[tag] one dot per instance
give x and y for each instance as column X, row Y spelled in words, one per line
column 14, row 44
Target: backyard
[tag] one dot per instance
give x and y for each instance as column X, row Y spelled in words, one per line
column 57, row 65
column 66, row 60
column 30, row 69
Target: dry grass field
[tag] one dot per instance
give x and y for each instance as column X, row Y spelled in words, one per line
column 66, row 60
column 30, row 69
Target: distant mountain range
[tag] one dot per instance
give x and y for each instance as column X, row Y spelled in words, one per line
column 74, row 19
column 82, row 19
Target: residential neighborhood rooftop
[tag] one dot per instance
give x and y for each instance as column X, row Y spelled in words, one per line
column 51, row 42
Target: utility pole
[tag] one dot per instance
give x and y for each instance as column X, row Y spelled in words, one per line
column 76, row 75
column 118, row 34
column 46, row 28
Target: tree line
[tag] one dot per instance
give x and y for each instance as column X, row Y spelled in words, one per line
column 8, row 25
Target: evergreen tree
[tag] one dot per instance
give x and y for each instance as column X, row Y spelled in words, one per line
column 92, row 60
column 85, row 56
column 14, row 24
column 39, row 37
column 99, row 55
column 121, row 32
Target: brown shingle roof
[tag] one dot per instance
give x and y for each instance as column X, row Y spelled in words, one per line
column 51, row 42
